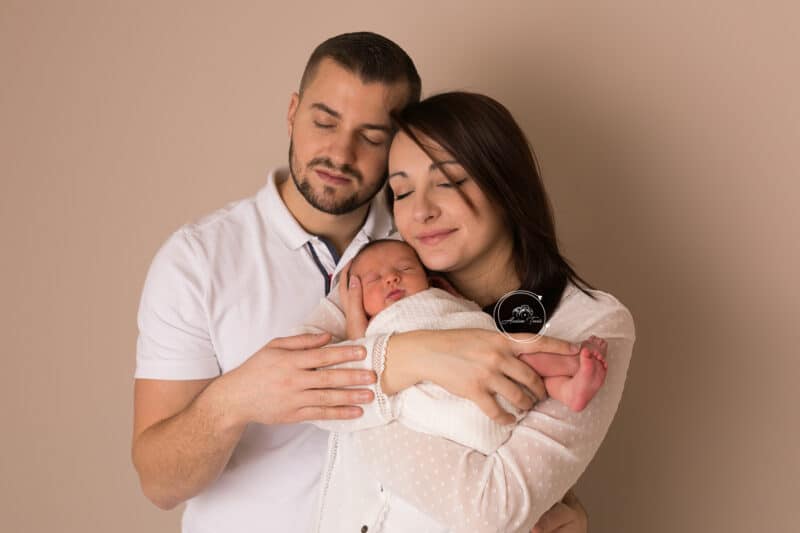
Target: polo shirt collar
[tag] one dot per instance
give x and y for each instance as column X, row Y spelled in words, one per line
column 378, row 224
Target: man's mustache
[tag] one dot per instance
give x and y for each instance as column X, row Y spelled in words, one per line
column 327, row 163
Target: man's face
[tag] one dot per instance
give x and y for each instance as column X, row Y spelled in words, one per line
column 340, row 131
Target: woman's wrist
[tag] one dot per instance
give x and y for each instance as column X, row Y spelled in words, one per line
column 400, row 369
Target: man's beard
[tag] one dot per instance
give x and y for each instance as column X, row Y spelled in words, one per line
column 326, row 201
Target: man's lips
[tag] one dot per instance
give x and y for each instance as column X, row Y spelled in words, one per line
column 330, row 177
column 434, row 237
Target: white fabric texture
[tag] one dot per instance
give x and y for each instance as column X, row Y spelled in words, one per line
column 425, row 407
column 217, row 291
column 404, row 480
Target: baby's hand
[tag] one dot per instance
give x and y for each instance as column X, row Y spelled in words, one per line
column 353, row 304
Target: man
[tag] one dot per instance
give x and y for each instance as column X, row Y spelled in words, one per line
column 218, row 393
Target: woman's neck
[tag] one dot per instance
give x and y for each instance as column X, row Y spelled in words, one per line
column 488, row 279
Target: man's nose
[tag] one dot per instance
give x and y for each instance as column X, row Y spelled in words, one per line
column 342, row 150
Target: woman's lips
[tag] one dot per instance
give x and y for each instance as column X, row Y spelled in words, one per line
column 333, row 179
column 434, row 237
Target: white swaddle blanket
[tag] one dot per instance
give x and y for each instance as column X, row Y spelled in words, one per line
column 427, row 407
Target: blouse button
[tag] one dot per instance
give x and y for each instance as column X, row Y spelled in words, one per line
column 364, row 529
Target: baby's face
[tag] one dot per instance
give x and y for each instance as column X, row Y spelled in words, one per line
column 388, row 272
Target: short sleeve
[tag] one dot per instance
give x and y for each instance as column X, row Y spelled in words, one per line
column 174, row 342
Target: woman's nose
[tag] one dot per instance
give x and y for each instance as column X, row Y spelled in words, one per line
column 424, row 210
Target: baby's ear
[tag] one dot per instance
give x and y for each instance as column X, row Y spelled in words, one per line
column 440, row 282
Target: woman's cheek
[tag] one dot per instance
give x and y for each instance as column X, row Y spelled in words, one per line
column 401, row 220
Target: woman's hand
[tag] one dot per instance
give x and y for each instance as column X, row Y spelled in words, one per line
column 475, row 364
column 353, row 304
column 567, row 516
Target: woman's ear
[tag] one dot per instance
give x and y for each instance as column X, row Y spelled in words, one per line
column 440, row 282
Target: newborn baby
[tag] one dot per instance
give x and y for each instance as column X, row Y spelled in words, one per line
column 397, row 296
column 390, row 271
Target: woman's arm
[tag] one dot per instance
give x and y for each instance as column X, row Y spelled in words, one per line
column 471, row 363
column 468, row 363
column 510, row 489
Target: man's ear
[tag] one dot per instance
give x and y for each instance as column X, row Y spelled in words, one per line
column 294, row 101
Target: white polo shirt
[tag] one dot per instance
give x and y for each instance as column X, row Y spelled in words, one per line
column 217, row 291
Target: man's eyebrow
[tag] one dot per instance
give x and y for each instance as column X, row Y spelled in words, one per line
column 326, row 109
column 382, row 127
column 335, row 114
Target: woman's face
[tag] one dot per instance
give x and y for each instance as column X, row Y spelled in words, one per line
column 432, row 216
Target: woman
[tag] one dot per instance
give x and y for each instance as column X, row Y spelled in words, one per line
column 467, row 196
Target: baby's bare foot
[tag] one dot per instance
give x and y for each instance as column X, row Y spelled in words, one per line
column 591, row 374
column 599, row 348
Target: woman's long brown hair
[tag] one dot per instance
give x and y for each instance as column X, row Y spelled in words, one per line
column 484, row 138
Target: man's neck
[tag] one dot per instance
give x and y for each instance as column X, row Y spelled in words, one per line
column 338, row 229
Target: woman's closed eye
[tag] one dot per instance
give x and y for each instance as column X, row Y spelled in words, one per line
column 401, row 195
column 449, row 184
column 443, row 185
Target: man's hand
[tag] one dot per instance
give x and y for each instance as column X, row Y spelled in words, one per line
column 566, row 516
column 352, row 296
column 280, row 384
column 185, row 431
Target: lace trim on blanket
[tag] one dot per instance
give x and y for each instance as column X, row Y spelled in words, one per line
column 378, row 365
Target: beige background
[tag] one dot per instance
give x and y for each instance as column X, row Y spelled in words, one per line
column 668, row 139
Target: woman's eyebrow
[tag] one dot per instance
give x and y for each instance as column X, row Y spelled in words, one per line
column 434, row 166
column 439, row 164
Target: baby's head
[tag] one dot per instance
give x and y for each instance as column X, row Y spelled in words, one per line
column 389, row 270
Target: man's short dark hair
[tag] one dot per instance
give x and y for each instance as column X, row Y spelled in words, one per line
column 370, row 56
